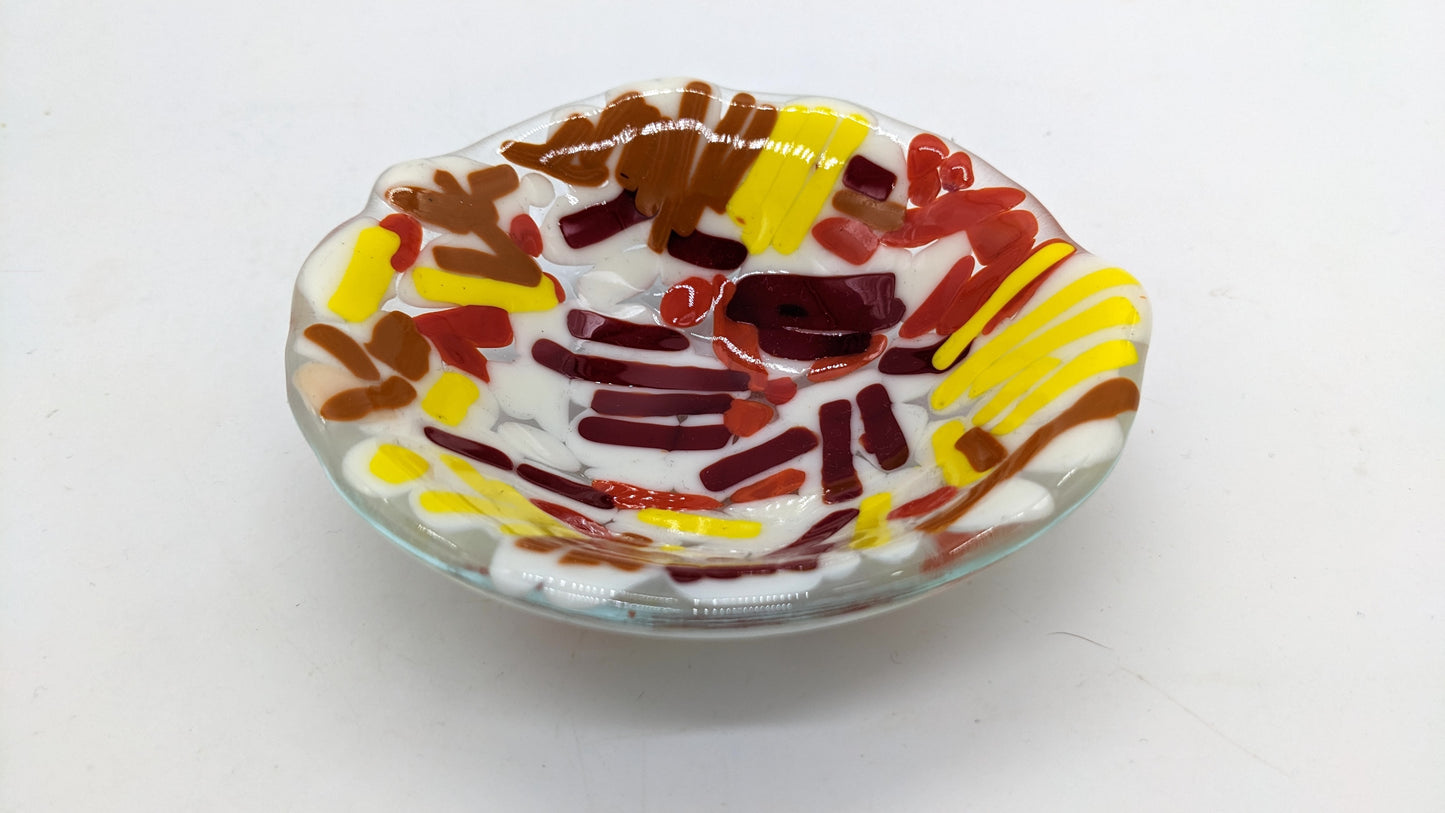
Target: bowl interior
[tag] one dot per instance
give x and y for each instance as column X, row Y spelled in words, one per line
column 682, row 359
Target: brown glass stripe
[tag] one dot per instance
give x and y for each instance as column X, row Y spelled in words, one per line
column 357, row 403
column 336, row 342
column 668, row 178
column 726, row 156
column 474, row 263
column 396, row 342
column 1110, row 398
column 876, row 214
column 981, row 449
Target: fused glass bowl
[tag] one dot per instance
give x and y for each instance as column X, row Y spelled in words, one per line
column 680, row 359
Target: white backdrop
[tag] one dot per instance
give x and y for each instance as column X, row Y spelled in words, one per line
column 1248, row 615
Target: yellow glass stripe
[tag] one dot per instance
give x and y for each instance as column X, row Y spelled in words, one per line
column 798, row 164
column 957, row 471
column 871, row 529
column 489, row 488
column 502, row 502
column 461, row 468
column 700, row 525
column 1015, row 388
column 1033, row 321
column 746, row 203
column 1037, row 263
column 1113, row 312
column 1101, row 358
column 797, row 158
column 450, row 397
column 397, row 464
column 451, row 502
column 461, row 289
column 819, row 186
column 367, row 276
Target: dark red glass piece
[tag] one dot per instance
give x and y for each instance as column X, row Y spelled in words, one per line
column 734, row 469
column 600, row 221
column 668, row 437
column 866, row 177
column 607, row 330
column 632, row 374
column 840, row 479
column 466, row 447
column 859, row 302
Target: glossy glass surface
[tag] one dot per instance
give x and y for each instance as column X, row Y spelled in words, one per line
column 686, row 360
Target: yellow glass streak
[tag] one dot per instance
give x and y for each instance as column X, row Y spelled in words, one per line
column 1037, row 263
column 1113, row 312
column 798, row 165
column 450, row 397
column 871, row 529
column 1100, row 358
column 957, row 471
column 1015, row 388
column 451, row 502
column 746, row 203
column 700, row 525
column 1034, row 320
column 819, row 186
column 364, row 282
column 498, row 500
column 796, row 159
column 461, row 289
column 396, row 464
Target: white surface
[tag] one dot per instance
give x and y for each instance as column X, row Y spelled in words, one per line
column 1249, row 615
